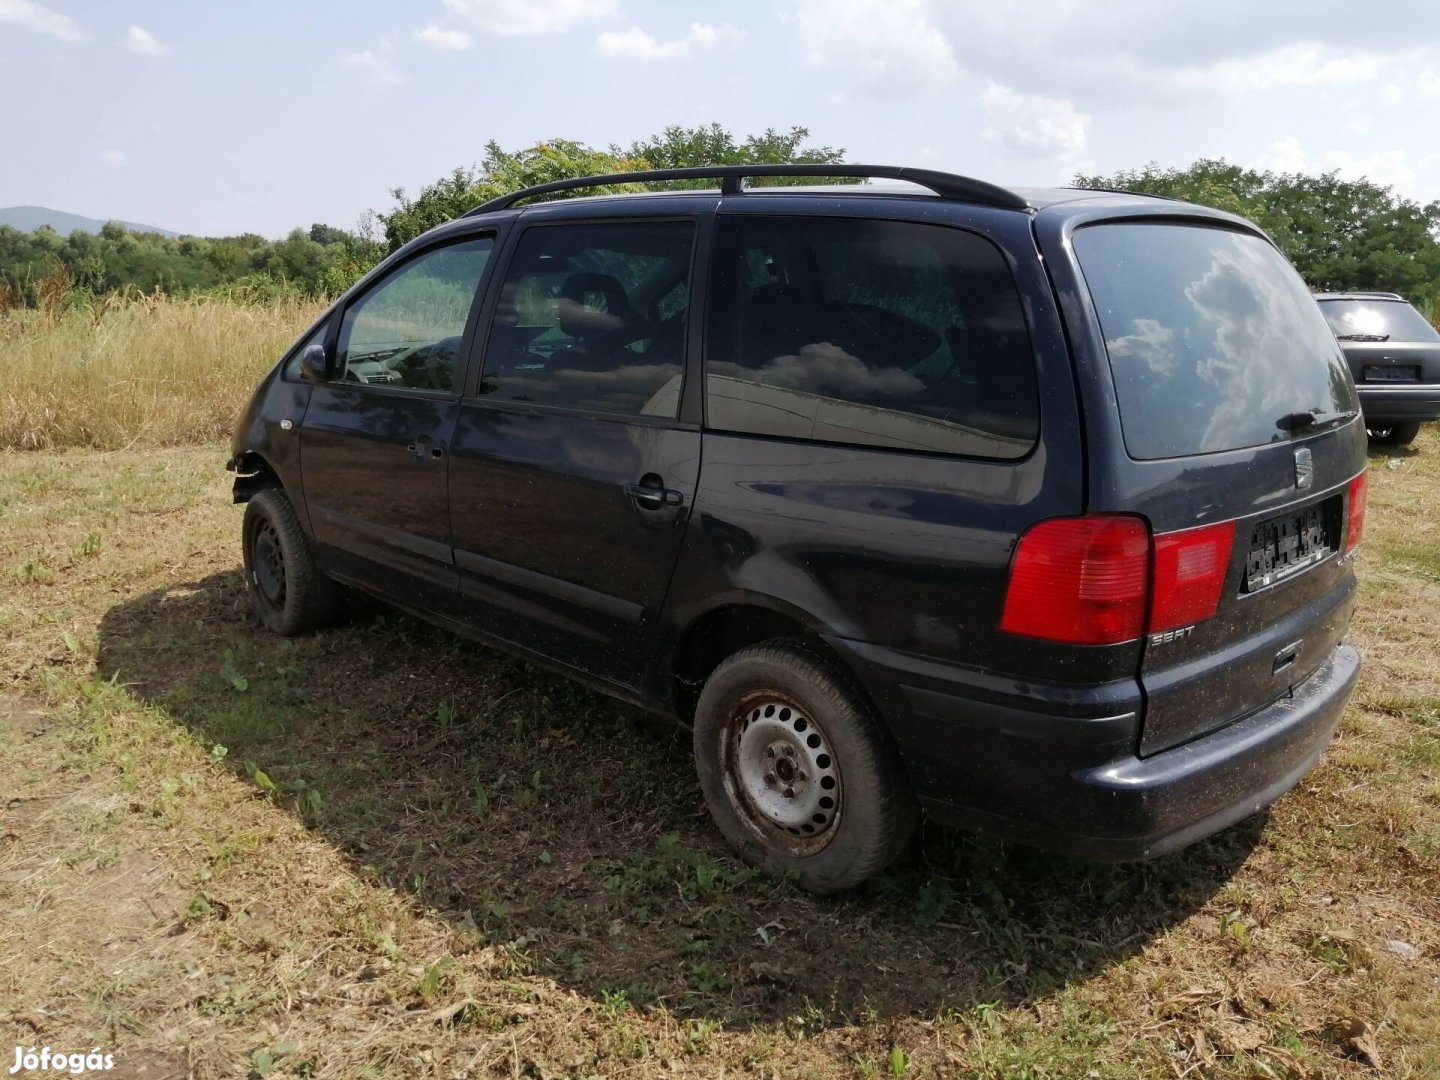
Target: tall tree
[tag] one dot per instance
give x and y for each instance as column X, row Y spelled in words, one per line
column 680, row 147
column 501, row 171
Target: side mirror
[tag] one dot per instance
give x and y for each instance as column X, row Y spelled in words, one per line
column 314, row 364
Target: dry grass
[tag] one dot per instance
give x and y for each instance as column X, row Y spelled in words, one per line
column 381, row 851
column 143, row 371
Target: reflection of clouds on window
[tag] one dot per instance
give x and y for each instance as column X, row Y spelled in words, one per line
column 1360, row 320
column 639, row 375
column 826, row 369
column 1151, row 343
column 1214, row 344
column 1256, row 316
column 627, row 389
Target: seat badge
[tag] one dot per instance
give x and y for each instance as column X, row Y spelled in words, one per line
column 1304, row 469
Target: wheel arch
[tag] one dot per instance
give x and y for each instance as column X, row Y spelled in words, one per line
column 737, row 623
column 252, row 473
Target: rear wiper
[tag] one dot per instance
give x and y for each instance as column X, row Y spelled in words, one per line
column 1362, row 337
column 1295, row 422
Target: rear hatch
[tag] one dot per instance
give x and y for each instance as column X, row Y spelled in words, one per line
column 1387, row 342
column 1241, row 448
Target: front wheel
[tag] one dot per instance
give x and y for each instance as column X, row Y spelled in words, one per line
column 797, row 772
column 1398, row 434
column 288, row 592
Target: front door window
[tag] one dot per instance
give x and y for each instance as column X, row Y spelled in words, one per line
column 405, row 331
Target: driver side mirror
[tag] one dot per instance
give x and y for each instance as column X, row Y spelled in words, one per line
column 314, row 364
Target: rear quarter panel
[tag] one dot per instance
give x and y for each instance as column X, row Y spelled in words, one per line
column 903, row 549
column 1222, row 669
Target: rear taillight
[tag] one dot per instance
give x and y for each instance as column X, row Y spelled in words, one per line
column 1359, row 498
column 1101, row 580
column 1080, row 580
column 1190, row 568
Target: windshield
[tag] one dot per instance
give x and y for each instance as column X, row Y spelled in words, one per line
column 1214, row 341
column 1377, row 320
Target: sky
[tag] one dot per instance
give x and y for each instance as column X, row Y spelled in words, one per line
column 214, row 119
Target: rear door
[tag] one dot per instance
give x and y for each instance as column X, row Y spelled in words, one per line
column 1219, row 408
column 375, row 438
column 1389, row 344
column 572, row 469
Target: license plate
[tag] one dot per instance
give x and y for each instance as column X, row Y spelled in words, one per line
column 1392, row 373
column 1285, row 546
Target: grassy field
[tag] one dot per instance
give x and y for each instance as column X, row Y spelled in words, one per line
column 382, row 851
column 143, row 371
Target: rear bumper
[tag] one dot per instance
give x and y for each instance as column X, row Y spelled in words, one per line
column 1386, row 404
column 1061, row 773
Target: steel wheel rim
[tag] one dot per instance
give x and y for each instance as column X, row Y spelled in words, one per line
column 781, row 773
column 267, row 566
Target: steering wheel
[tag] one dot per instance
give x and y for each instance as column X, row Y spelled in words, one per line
column 419, row 367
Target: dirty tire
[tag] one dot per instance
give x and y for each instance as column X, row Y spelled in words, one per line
column 1401, row 434
column 288, row 592
column 820, row 726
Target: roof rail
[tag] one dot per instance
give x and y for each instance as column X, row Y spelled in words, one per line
column 1365, row 295
column 732, row 178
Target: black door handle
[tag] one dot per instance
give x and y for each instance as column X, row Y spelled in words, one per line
column 652, row 496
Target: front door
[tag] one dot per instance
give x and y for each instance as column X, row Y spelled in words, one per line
column 375, row 439
column 572, row 475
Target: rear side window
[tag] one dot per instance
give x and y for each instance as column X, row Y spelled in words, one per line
column 592, row 317
column 877, row 333
column 1214, row 341
column 1377, row 320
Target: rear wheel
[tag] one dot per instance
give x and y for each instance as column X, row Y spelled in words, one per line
column 288, row 592
column 1399, row 434
column 796, row 771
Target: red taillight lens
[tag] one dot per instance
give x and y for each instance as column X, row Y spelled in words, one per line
column 1190, row 568
column 1080, row 580
column 1358, row 500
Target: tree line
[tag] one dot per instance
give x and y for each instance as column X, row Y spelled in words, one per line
column 35, row 266
column 1340, row 234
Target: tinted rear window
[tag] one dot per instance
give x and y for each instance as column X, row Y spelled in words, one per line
column 1377, row 320
column 879, row 333
column 1214, row 341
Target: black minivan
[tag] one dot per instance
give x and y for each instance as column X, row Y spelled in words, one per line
column 1035, row 510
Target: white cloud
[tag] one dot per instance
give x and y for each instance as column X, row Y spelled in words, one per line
column 1429, row 83
column 1299, row 64
column 1283, row 156
column 1121, row 78
column 444, row 40
column 378, row 68
column 890, row 48
column 1033, row 124
column 1388, row 168
column 138, row 40
column 523, row 18
column 113, row 158
column 637, row 44
column 1181, row 49
column 41, row 19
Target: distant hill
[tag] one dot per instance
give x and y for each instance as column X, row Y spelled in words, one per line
column 29, row 218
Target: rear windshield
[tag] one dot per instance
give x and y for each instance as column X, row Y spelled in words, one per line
column 1214, row 341
column 1377, row 320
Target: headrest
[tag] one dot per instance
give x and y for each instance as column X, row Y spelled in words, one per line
column 591, row 304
